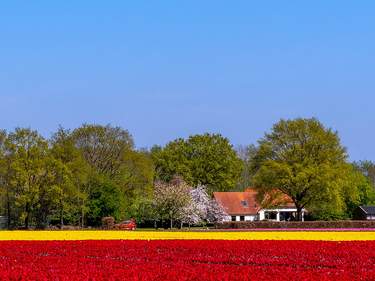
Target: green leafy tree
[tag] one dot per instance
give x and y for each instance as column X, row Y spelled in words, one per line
column 72, row 179
column 3, row 174
column 303, row 160
column 367, row 168
column 31, row 182
column 135, row 179
column 353, row 190
column 103, row 147
column 207, row 159
column 109, row 152
column 48, row 194
column 104, row 199
column 358, row 190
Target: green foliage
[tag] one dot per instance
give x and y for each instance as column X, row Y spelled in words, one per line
column 304, row 160
column 74, row 178
column 357, row 190
column 367, row 168
column 103, row 147
column 3, row 173
column 103, row 200
column 32, row 178
column 109, row 153
column 27, row 154
column 207, row 159
column 135, row 180
column 353, row 189
column 142, row 209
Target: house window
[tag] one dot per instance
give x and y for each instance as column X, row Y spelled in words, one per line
column 233, row 218
column 242, row 218
column 244, row 204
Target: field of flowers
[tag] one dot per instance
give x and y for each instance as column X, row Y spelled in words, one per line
column 353, row 235
column 173, row 256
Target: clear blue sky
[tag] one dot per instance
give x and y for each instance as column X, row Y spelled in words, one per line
column 168, row 69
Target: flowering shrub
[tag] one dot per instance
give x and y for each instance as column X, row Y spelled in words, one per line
column 187, row 260
column 202, row 209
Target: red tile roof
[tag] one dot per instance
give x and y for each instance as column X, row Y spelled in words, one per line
column 246, row 203
column 274, row 198
column 231, row 202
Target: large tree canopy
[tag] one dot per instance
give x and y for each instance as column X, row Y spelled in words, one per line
column 73, row 195
column 103, row 147
column 33, row 178
column 207, row 159
column 302, row 159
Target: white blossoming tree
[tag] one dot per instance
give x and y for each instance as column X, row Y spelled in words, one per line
column 171, row 200
column 202, row 208
column 216, row 212
column 177, row 201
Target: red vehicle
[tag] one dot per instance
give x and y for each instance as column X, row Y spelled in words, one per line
column 127, row 225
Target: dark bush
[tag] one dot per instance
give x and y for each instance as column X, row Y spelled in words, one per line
column 296, row 224
column 108, row 223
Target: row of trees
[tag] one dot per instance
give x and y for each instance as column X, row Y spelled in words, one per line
column 77, row 177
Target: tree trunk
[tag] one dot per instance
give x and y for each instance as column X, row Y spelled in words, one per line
column 83, row 214
column 27, row 210
column 171, row 223
column 61, row 218
column 61, row 214
column 8, row 208
column 299, row 213
column 82, row 217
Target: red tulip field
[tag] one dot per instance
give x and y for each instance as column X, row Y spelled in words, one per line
column 187, row 260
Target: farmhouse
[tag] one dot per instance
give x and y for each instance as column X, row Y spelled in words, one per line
column 245, row 206
column 365, row 213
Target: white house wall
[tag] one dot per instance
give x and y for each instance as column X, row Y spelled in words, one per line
column 261, row 214
column 278, row 211
column 238, row 218
column 250, row 218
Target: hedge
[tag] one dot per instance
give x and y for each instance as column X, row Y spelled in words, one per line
column 296, row 224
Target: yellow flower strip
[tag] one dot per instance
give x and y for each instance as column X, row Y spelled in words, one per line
column 165, row 235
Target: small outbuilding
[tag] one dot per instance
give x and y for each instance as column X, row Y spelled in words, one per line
column 365, row 213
